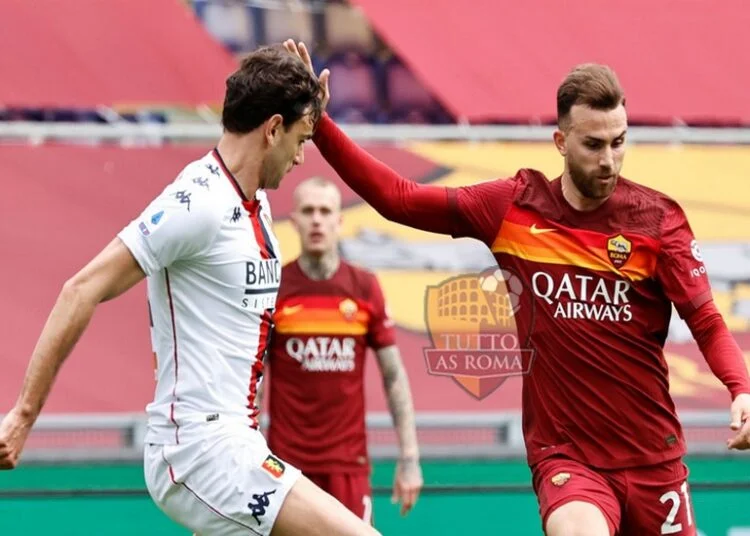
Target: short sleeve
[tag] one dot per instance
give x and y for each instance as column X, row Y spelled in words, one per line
column 179, row 224
column 680, row 269
column 381, row 331
column 479, row 209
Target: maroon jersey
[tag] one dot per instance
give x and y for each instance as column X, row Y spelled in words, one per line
column 317, row 363
column 601, row 285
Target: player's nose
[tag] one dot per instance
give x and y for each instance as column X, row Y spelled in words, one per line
column 299, row 158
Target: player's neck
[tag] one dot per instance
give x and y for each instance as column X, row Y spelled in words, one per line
column 242, row 161
column 575, row 198
column 319, row 267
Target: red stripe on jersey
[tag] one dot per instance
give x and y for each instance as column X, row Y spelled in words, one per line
column 174, row 341
column 265, row 322
column 257, row 370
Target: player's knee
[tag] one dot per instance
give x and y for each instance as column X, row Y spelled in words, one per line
column 577, row 518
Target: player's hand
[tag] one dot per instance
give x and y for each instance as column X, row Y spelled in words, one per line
column 299, row 49
column 14, row 429
column 407, row 484
column 740, row 423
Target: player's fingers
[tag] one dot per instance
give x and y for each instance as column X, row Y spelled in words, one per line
column 736, row 423
column 290, row 46
column 741, row 441
column 324, row 76
column 305, row 54
column 408, row 502
column 7, row 460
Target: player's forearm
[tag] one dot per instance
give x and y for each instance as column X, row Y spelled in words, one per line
column 398, row 394
column 400, row 200
column 719, row 348
column 67, row 321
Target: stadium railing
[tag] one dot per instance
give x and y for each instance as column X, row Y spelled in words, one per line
column 119, row 437
column 154, row 133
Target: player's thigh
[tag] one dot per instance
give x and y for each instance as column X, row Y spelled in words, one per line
column 574, row 500
column 311, row 511
column 322, row 480
column 226, row 487
column 353, row 490
column 659, row 501
column 578, row 518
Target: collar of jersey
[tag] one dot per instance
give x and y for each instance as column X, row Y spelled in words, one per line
column 251, row 205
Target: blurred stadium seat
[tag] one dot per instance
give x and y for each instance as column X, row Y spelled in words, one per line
column 354, row 88
column 293, row 22
column 347, row 28
column 229, row 21
column 408, row 99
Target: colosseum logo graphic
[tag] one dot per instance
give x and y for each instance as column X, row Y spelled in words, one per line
column 472, row 323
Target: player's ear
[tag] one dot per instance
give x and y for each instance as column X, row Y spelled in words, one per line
column 293, row 217
column 273, row 128
column 560, row 142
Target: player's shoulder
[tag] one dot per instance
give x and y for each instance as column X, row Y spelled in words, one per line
column 643, row 209
column 523, row 178
column 290, row 269
column 193, row 201
column 643, row 197
column 360, row 279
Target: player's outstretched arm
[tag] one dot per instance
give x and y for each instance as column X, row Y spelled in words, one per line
column 726, row 361
column 398, row 199
column 408, row 479
column 108, row 275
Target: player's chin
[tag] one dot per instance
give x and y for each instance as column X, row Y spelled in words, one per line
column 604, row 186
column 273, row 184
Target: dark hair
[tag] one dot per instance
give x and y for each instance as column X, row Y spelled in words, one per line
column 269, row 81
column 589, row 84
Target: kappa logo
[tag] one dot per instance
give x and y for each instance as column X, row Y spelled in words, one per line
column 560, row 479
column 536, row 230
column 619, row 249
column 274, row 466
column 258, row 508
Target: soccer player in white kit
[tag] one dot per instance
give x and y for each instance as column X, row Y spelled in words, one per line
column 207, row 249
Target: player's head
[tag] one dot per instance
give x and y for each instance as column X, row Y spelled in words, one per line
column 273, row 95
column 591, row 130
column 317, row 215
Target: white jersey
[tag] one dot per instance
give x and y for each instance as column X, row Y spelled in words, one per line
column 213, row 270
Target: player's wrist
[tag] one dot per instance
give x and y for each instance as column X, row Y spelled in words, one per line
column 409, row 457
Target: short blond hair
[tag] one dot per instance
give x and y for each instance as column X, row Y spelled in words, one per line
column 320, row 182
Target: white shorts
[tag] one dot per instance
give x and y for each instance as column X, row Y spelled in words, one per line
column 225, row 485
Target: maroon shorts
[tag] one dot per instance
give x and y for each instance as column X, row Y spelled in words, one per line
column 351, row 489
column 637, row 501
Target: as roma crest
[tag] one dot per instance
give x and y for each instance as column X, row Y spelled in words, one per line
column 619, row 249
column 348, row 308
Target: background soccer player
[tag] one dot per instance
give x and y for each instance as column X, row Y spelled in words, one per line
column 605, row 260
column 207, row 249
column 329, row 312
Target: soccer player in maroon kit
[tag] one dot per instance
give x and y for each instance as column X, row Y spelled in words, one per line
column 327, row 315
column 605, row 260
